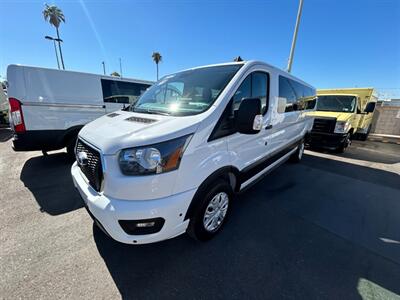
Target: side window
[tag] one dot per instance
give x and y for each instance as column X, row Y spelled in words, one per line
column 259, row 86
column 286, row 91
column 244, row 91
column 256, row 85
column 310, row 98
column 121, row 91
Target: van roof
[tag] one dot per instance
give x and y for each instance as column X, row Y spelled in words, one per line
column 86, row 73
column 250, row 63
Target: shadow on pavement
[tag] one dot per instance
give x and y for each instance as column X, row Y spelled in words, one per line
column 268, row 249
column 369, row 151
column 49, row 179
column 5, row 134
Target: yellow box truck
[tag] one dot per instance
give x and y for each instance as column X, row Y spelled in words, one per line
column 340, row 116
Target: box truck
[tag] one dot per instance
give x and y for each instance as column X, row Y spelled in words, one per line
column 340, row 116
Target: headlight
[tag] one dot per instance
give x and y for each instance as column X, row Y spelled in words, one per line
column 153, row 159
column 341, row 127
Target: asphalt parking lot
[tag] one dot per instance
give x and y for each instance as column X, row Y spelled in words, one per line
column 327, row 228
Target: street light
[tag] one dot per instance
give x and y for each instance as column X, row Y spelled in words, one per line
column 55, row 48
column 296, row 29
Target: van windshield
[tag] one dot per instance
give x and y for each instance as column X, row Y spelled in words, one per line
column 336, row 103
column 186, row 93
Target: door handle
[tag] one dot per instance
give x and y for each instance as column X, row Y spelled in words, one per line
column 268, row 127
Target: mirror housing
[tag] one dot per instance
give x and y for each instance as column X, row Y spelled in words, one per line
column 370, row 107
column 281, row 105
column 248, row 119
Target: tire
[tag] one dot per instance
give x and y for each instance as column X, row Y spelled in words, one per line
column 71, row 148
column 298, row 155
column 342, row 147
column 364, row 137
column 204, row 225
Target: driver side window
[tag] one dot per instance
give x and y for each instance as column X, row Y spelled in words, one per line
column 256, row 85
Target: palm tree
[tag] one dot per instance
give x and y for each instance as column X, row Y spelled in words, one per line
column 55, row 16
column 157, row 58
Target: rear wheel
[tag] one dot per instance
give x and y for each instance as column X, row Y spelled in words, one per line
column 211, row 212
column 298, row 154
column 364, row 137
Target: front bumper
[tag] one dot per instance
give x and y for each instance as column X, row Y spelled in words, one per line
column 107, row 212
column 326, row 140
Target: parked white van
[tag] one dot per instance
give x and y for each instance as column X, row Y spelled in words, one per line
column 173, row 162
column 49, row 107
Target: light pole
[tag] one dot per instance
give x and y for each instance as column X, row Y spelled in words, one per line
column 296, row 28
column 120, row 67
column 55, row 48
column 104, row 67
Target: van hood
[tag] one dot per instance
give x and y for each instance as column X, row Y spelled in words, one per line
column 121, row 129
column 340, row 116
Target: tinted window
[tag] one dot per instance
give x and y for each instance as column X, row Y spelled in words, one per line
column 121, row 91
column 256, row 85
column 298, row 95
column 244, row 91
column 286, row 91
column 259, row 87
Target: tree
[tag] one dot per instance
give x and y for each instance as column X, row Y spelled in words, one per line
column 55, row 16
column 116, row 74
column 157, row 58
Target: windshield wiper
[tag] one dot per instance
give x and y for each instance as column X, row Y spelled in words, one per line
column 150, row 111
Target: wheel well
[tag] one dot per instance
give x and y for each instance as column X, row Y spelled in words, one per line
column 229, row 174
column 71, row 133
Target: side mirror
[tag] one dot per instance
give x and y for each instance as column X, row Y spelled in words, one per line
column 370, row 107
column 249, row 119
column 281, row 105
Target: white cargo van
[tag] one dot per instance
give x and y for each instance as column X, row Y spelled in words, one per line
column 49, row 107
column 173, row 162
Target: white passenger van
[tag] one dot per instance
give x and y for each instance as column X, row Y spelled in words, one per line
column 173, row 162
column 49, row 107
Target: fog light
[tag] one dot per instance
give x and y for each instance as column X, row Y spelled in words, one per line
column 140, row 227
column 148, row 224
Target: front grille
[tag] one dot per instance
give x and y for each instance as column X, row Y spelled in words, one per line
column 324, row 125
column 92, row 167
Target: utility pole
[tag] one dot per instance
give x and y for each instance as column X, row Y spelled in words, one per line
column 120, row 67
column 104, row 67
column 296, row 28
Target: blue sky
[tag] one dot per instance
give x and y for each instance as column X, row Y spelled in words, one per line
column 340, row 43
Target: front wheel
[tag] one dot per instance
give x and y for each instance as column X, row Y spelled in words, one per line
column 211, row 212
column 342, row 147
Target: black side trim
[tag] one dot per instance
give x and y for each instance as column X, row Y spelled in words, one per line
column 263, row 163
column 47, row 140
